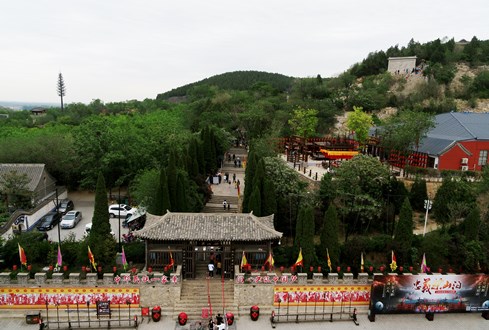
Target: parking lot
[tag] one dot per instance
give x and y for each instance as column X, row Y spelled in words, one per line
column 84, row 201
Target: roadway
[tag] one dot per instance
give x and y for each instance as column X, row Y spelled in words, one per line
column 84, row 202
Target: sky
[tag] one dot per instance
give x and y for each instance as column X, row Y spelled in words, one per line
column 119, row 50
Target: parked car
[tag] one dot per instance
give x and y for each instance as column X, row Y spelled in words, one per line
column 121, row 209
column 71, row 219
column 88, row 227
column 66, row 205
column 48, row 221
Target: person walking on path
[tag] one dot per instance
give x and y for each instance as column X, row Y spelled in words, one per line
column 210, row 268
column 234, row 177
column 224, row 204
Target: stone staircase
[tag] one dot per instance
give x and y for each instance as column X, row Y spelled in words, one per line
column 196, row 293
column 226, row 191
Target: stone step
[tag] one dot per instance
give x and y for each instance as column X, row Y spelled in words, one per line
column 218, row 199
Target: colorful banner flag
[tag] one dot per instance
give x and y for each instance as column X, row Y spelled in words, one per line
column 329, row 261
column 91, row 258
column 424, row 267
column 59, row 260
column 22, row 256
column 393, row 261
column 124, row 260
column 270, row 261
column 362, row 265
column 244, row 261
column 300, row 260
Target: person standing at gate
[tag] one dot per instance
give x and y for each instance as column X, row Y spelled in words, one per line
column 210, row 267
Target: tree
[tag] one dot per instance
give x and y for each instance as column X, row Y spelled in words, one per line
column 249, row 180
column 327, row 191
column 403, row 236
column 329, row 236
column 161, row 202
column 418, row 194
column 472, row 224
column 13, row 185
column 304, row 122
column 306, row 238
column 454, row 199
column 100, row 240
column 359, row 122
column 360, row 184
column 61, row 89
column 171, row 175
column 255, row 202
column 403, row 132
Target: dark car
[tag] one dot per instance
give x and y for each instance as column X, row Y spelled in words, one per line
column 66, row 205
column 48, row 221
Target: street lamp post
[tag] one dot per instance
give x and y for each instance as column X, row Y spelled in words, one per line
column 427, row 205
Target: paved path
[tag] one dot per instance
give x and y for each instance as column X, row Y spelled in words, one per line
column 387, row 322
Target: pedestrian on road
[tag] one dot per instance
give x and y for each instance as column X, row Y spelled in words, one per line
column 234, row 177
column 224, row 204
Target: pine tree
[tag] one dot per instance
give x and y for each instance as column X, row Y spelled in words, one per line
column 171, row 174
column 472, row 224
column 307, row 244
column 100, row 240
column 255, row 202
column 249, row 178
column 61, row 87
column 403, row 236
column 418, row 194
column 269, row 200
column 161, row 202
column 181, row 193
column 329, row 236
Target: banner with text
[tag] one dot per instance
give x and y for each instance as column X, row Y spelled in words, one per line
column 429, row 293
column 70, row 296
column 320, row 295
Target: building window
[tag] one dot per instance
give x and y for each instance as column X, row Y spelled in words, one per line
column 482, row 157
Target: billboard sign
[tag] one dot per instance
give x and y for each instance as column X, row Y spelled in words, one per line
column 429, row 293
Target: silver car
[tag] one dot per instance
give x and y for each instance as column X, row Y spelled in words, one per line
column 71, row 219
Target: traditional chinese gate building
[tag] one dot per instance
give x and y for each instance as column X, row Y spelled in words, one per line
column 192, row 238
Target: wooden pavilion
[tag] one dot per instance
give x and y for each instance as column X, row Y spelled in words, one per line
column 192, row 238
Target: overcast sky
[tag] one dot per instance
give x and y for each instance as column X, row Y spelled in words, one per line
column 118, row 50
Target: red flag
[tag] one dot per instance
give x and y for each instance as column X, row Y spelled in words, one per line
column 22, row 256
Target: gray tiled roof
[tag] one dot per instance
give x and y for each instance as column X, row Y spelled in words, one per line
column 434, row 146
column 33, row 171
column 460, row 126
column 453, row 127
column 208, row 226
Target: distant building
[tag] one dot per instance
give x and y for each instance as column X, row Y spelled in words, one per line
column 38, row 111
column 459, row 141
column 41, row 184
column 401, row 64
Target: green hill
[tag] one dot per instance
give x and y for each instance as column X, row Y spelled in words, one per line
column 237, row 80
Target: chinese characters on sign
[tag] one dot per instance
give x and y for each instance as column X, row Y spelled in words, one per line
column 136, row 279
column 283, row 279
